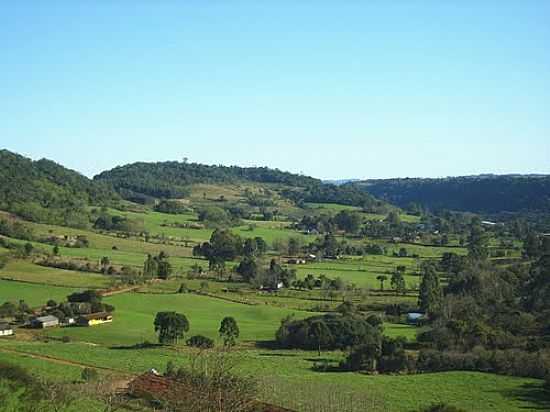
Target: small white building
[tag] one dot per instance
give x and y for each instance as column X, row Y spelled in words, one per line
column 45, row 322
column 5, row 329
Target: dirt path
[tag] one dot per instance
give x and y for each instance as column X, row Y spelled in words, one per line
column 60, row 361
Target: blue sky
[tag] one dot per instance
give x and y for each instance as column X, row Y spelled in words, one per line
column 330, row 89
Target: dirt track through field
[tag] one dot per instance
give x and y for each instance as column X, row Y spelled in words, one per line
column 63, row 361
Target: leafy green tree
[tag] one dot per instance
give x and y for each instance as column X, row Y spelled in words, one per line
column 398, row 282
column 393, row 218
column 320, row 333
column 381, row 279
column 170, row 326
column 229, row 331
column 248, row 268
column 478, row 242
column 348, row 221
column 55, row 250
column 430, row 296
column 28, row 248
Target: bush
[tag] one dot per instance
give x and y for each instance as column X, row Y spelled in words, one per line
column 505, row 362
column 199, row 341
column 89, row 375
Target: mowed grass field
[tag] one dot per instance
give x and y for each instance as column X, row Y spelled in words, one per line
column 135, row 312
column 24, row 270
column 32, row 294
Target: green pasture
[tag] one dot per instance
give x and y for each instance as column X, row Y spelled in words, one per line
column 24, row 270
column 33, row 294
column 289, row 380
column 135, row 312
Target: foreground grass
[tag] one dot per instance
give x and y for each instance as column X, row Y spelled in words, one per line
column 290, row 381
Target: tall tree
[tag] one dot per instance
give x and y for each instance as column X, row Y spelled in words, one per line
column 229, row 331
column 381, row 279
column 170, row 326
column 320, row 333
column 398, row 281
column 431, row 296
column 478, row 242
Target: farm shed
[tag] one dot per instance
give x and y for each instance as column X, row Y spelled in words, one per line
column 5, row 329
column 95, row 319
column 45, row 322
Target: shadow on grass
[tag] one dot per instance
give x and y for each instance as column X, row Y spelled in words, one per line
column 267, row 344
column 534, row 393
column 144, row 345
column 282, row 355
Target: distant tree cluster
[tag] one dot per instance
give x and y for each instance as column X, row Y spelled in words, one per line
column 171, row 206
column 484, row 194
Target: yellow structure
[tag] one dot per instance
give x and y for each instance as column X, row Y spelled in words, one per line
column 95, row 319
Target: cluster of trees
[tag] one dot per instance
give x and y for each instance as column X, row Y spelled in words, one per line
column 217, row 217
column 106, row 221
column 329, row 331
column 322, row 282
column 267, row 277
column 171, row 179
column 484, row 194
column 43, row 191
column 368, row 349
column 172, row 326
column 157, row 267
column 225, row 245
column 171, row 206
column 345, row 220
column 488, row 313
column 20, row 311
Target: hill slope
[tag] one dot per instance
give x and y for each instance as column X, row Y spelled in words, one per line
column 172, row 180
column 45, row 191
column 484, row 193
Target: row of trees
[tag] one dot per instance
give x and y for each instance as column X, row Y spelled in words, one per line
column 172, row 326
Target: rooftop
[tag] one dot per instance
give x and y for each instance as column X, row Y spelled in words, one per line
column 47, row 318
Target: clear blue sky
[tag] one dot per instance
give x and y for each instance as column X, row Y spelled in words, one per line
column 331, row 89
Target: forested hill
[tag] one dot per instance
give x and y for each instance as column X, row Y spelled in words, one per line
column 482, row 194
column 172, row 180
column 45, row 191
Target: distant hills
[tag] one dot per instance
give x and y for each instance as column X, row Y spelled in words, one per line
column 172, row 179
column 46, row 191
column 479, row 194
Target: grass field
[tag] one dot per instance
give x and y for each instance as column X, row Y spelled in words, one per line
column 135, row 313
column 33, row 294
column 24, row 270
column 288, row 374
column 292, row 382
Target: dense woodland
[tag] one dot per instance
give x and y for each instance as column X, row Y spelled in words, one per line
column 479, row 194
column 45, row 191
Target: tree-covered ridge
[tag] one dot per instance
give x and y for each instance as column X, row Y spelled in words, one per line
column 484, row 193
column 45, row 191
column 172, row 179
column 169, row 179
